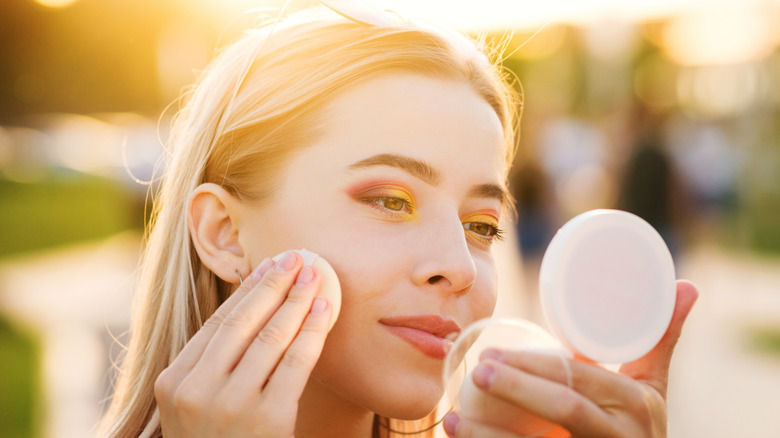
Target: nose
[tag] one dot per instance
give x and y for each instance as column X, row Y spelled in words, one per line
column 445, row 262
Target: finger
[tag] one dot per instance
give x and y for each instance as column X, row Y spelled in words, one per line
column 290, row 377
column 457, row 427
column 240, row 326
column 545, row 398
column 653, row 368
column 596, row 383
column 195, row 346
column 265, row 351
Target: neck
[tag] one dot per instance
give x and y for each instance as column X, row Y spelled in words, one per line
column 324, row 414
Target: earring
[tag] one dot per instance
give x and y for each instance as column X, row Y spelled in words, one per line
column 240, row 277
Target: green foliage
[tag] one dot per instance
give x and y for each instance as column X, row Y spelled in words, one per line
column 764, row 227
column 766, row 340
column 20, row 382
column 63, row 210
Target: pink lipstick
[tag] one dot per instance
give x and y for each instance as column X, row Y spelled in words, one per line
column 431, row 334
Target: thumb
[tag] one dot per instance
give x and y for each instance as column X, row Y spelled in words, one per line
column 653, row 368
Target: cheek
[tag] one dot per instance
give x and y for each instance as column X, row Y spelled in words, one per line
column 485, row 293
column 298, row 220
column 365, row 253
column 370, row 269
column 268, row 230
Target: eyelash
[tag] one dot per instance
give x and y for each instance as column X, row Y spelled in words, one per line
column 380, row 203
column 496, row 234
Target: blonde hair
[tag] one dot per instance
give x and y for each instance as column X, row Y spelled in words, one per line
column 256, row 103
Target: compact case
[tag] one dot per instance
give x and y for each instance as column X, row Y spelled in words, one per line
column 607, row 286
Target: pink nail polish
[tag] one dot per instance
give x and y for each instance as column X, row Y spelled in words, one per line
column 319, row 305
column 287, row 262
column 491, row 353
column 305, row 276
column 483, row 375
column 262, row 268
column 450, row 423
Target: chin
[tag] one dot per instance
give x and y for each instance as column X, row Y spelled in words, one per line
column 389, row 383
column 410, row 402
column 409, row 412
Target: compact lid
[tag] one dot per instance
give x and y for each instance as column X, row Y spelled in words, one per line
column 607, row 286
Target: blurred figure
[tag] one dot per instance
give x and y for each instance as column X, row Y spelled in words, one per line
column 575, row 155
column 536, row 220
column 650, row 187
column 530, row 186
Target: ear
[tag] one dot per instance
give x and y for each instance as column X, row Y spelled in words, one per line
column 214, row 232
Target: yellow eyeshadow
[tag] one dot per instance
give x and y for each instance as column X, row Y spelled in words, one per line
column 391, row 199
column 482, row 218
column 390, row 193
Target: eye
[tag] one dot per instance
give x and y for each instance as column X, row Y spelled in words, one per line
column 390, row 204
column 395, row 204
column 484, row 232
column 481, row 228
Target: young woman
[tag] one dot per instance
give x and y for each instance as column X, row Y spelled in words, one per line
column 384, row 149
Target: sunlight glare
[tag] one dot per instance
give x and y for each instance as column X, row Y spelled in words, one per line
column 55, row 3
column 720, row 35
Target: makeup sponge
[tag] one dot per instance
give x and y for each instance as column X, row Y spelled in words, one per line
column 330, row 287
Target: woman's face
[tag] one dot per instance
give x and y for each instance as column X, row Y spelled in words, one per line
column 402, row 194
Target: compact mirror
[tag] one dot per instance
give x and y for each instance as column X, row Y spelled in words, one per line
column 607, row 286
column 507, row 334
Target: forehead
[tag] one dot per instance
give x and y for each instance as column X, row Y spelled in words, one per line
column 442, row 122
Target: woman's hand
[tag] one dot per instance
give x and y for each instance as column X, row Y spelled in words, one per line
column 243, row 372
column 601, row 403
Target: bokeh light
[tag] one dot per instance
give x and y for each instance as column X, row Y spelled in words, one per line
column 55, row 3
column 88, row 89
column 722, row 34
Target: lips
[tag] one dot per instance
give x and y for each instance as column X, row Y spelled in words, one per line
column 430, row 334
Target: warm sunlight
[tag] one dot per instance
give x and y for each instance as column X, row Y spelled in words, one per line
column 667, row 109
column 721, row 35
column 55, row 3
column 524, row 14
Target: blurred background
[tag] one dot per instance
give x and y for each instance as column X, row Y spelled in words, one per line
column 666, row 108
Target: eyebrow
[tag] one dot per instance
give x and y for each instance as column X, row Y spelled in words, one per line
column 494, row 191
column 417, row 168
column 427, row 173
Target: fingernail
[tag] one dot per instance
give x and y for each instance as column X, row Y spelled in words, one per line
column 483, row 375
column 491, row 353
column 262, row 268
column 287, row 262
column 305, row 276
column 450, row 423
column 319, row 305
